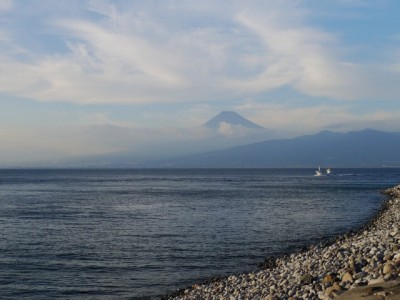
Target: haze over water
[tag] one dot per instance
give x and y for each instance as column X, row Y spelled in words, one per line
column 80, row 234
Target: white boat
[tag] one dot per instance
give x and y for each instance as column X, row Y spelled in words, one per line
column 318, row 172
column 328, row 171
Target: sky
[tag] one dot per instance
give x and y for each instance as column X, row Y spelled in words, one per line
column 80, row 77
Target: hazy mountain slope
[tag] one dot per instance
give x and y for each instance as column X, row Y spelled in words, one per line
column 361, row 148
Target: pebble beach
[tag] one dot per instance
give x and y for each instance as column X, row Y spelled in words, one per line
column 358, row 265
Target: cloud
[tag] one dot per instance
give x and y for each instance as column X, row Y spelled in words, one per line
column 235, row 131
column 6, row 5
column 140, row 53
column 311, row 60
column 307, row 119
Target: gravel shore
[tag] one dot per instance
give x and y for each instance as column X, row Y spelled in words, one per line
column 365, row 263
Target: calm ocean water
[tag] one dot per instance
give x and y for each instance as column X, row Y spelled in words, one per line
column 127, row 234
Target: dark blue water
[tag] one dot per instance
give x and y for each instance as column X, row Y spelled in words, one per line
column 115, row 234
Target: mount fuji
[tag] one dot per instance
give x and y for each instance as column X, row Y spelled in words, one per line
column 231, row 118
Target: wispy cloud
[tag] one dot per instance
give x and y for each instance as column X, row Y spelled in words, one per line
column 167, row 52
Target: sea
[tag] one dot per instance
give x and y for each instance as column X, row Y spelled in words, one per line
column 141, row 233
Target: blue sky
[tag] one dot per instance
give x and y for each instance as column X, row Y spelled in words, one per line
column 292, row 66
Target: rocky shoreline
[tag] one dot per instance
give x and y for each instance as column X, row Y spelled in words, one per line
column 358, row 265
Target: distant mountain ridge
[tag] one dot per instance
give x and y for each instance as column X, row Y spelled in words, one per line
column 366, row 148
column 232, row 118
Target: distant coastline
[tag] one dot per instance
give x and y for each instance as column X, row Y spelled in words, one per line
column 366, row 148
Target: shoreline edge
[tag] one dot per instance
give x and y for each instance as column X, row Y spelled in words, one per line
column 361, row 264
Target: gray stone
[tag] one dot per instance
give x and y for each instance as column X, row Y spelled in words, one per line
column 360, row 275
column 307, row 279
